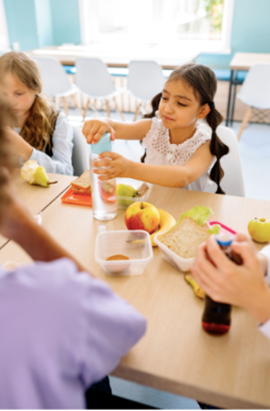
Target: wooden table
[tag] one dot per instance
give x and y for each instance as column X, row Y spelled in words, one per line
column 38, row 198
column 241, row 61
column 175, row 355
column 117, row 57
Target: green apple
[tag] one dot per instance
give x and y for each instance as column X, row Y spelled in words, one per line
column 125, row 190
column 259, row 230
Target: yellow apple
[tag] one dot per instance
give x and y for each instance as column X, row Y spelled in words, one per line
column 259, row 230
column 142, row 216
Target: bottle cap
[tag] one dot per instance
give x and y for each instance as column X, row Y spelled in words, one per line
column 104, row 144
column 224, row 240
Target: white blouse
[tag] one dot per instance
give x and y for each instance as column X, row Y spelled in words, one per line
column 62, row 139
column 161, row 152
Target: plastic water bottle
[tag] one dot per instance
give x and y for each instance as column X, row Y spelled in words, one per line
column 216, row 319
column 104, row 199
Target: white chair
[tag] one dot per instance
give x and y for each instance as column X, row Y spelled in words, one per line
column 255, row 91
column 94, row 80
column 55, row 80
column 145, row 80
column 233, row 181
column 80, row 153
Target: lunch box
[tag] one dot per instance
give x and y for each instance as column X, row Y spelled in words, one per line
column 134, row 244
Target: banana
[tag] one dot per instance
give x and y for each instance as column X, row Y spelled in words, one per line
column 197, row 290
column 165, row 223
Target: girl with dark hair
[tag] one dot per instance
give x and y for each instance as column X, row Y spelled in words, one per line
column 180, row 150
column 39, row 133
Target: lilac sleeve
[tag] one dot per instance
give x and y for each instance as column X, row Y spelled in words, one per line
column 111, row 327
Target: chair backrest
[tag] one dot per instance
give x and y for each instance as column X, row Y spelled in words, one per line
column 145, row 79
column 80, row 153
column 54, row 78
column 92, row 77
column 233, row 180
column 255, row 90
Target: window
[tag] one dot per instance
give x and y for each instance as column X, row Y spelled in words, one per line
column 4, row 42
column 157, row 22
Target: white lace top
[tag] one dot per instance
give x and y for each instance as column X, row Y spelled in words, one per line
column 159, row 151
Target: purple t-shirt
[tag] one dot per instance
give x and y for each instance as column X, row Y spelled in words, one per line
column 61, row 331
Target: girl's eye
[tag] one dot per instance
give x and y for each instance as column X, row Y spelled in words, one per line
column 181, row 104
column 164, row 98
column 19, row 94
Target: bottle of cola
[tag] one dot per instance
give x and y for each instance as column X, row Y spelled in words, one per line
column 216, row 319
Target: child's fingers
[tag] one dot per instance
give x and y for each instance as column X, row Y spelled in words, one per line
column 247, row 252
column 112, row 132
column 109, row 154
column 102, row 163
column 239, row 237
column 97, row 132
column 87, row 125
column 93, row 130
column 218, row 257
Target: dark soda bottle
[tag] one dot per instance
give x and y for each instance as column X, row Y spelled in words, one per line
column 216, row 319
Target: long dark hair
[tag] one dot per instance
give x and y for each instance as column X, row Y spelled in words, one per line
column 204, row 83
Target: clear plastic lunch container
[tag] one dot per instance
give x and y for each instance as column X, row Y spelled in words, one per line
column 134, row 244
column 182, row 264
column 124, row 202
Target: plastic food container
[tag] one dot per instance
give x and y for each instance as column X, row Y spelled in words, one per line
column 124, row 202
column 135, row 244
column 184, row 264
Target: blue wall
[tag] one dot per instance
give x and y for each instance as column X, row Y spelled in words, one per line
column 39, row 23
column 22, row 23
column 36, row 23
column 65, row 21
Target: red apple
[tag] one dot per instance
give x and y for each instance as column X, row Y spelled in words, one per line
column 142, row 216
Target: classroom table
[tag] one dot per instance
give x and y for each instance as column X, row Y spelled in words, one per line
column 243, row 62
column 175, row 355
column 38, row 198
column 117, row 57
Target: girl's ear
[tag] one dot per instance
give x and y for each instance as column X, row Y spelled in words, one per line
column 203, row 111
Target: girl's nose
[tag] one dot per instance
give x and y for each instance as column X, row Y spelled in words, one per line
column 168, row 107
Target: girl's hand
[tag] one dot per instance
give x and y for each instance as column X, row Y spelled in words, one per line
column 93, row 130
column 17, row 144
column 117, row 166
column 224, row 281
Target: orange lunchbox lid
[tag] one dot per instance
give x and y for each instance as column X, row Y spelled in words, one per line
column 78, row 199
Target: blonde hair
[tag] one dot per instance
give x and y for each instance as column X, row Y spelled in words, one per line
column 40, row 123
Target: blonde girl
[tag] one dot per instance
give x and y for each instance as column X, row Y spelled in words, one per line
column 40, row 133
column 180, row 150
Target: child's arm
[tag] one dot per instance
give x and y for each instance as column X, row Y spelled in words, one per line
column 17, row 224
column 18, row 145
column 167, row 176
column 93, row 130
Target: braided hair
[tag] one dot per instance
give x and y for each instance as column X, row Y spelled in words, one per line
column 204, row 83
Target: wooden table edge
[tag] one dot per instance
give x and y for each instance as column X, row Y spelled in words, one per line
column 186, row 390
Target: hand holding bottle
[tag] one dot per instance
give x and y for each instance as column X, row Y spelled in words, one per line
column 111, row 165
column 93, row 130
column 224, row 281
